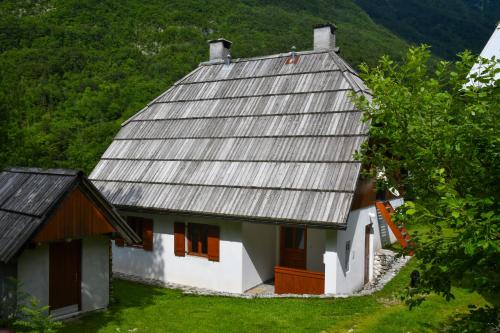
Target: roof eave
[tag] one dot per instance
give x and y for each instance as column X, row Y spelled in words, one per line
column 239, row 218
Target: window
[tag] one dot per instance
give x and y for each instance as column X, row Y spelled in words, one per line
column 203, row 240
column 294, row 238
column 347, row 254
column 137, row 224
column 198, row 239
column 143, row 228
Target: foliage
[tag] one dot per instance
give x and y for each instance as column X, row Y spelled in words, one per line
column 34, row 319
column 10, row 304
column 72, row 71
column 437, row 138
column 449, row 26
column 478, row 320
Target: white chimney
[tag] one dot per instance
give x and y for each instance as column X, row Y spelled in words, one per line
column 219, row 49
column 324, row 37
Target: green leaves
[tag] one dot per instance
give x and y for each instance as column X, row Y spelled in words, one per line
column 437, row 139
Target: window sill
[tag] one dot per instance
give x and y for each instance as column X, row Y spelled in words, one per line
column 135, row 246
column 199, row 255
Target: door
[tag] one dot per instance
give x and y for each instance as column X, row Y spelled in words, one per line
column 293, row 244
column 367, row 253
column 65, row 274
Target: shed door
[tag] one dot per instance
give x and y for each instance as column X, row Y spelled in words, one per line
column 65, row 274
column 293, row 246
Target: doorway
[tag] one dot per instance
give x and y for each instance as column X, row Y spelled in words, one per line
column 65, row 278
column 293, row 245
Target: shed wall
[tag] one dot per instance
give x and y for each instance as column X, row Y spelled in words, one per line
column 33, row 273
column 95, row 273
column 7, row 271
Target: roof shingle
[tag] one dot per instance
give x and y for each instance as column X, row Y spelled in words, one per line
column 257, row 138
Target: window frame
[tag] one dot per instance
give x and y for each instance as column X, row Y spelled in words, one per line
column 203, row 232
column 136, row 220
column 347, row 258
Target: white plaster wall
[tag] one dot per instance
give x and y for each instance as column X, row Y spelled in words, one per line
column 352, row 280
column 259, row 244
column 95, row 273
column 162, row 264
column 315, row 249
column 33, row 273
column 330, row 259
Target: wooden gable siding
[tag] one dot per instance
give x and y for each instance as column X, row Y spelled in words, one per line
column 76, row 217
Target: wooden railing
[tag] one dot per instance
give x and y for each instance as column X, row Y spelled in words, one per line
column 386, row 209
column 298, row 281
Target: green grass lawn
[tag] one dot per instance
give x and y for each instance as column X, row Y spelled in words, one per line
column 141, row 308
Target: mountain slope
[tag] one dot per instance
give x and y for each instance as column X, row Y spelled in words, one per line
column 449, row 26
column 71, row 71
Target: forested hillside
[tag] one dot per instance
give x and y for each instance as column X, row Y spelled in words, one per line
column 71, row 71
column 450, row 26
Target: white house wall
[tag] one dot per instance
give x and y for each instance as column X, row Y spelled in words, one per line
column 259, row 244
column 339, row 280
column 33, row 273
column 315, row 249
column 95, row 273
column 330, row 259
column 162, row 264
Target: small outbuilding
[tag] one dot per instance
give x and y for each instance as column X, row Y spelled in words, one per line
column 55, row 231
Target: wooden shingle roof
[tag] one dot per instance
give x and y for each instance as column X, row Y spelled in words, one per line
column 257, row 138
column 28, row 198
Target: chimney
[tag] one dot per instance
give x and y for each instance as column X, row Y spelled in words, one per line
column 219, row 49
column 324, row 37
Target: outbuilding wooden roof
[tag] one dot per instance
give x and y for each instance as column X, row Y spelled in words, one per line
column 262, row 138
column 29, row 197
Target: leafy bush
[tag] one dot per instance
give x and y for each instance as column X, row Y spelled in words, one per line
column 35, row 319
column 10, row 304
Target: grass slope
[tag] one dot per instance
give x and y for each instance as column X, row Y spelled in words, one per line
column 71, row 71
column 141, row 308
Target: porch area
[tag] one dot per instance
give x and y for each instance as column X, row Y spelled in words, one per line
column 296, row 264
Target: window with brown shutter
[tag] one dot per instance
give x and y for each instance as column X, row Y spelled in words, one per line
column 179, row 239
column 143, row 228
column 147, row 234
column 213, row 242
column 203, row 241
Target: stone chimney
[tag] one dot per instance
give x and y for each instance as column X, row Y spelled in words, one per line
column 219, row 49
column 324, row 37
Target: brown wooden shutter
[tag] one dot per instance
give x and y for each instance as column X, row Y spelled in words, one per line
column 179, row 239
column 213, row 242
column 147, row 234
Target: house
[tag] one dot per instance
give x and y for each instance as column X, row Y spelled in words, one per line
column 55, row 230
column 243, row 171
column 491, row 50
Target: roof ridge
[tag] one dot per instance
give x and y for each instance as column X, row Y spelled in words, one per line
column 257, row 58
column 50, row 171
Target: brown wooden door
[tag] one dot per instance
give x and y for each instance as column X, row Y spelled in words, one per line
column 65, row 274
column 293, row 245
column 367, row 253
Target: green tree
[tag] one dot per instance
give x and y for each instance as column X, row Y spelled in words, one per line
column 437, row 139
